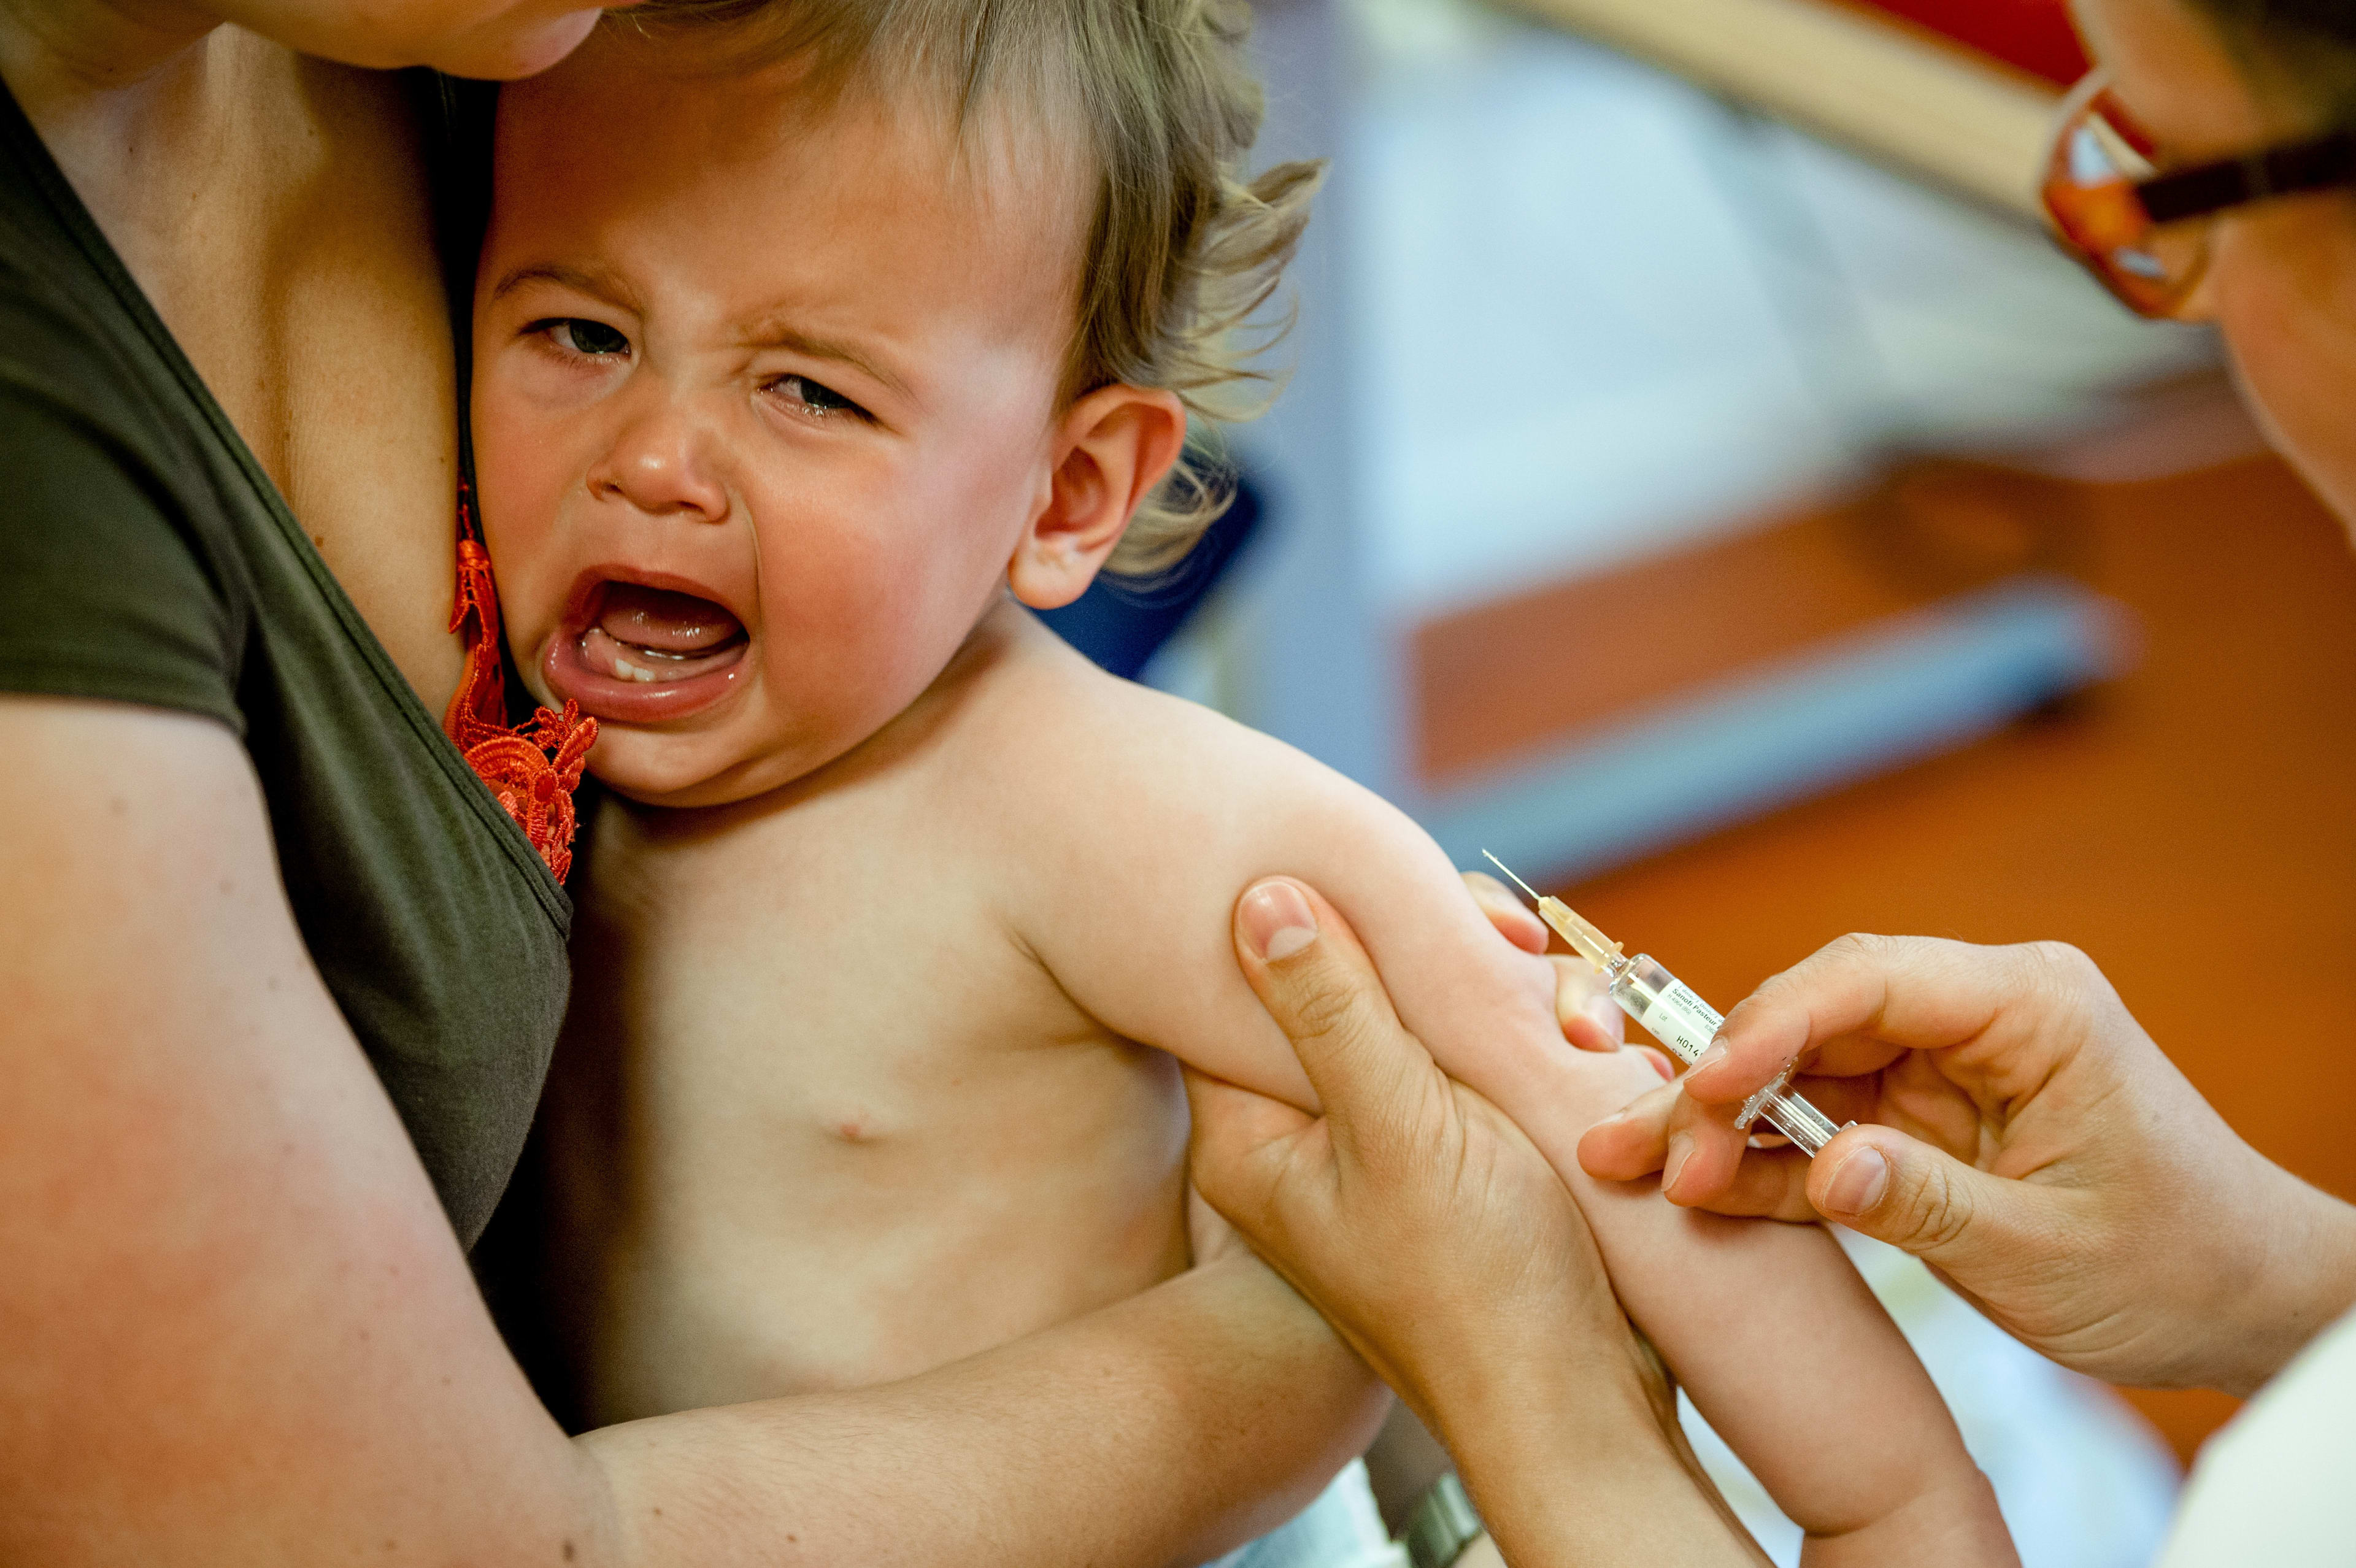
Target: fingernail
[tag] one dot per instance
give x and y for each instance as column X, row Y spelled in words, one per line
column 1680, row 1150
column 1619, row 1116
column 1859, row 1184
column 1710, row 1057
column 1277, row 922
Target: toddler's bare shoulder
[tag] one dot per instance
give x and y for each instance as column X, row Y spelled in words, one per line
column 1125, row 754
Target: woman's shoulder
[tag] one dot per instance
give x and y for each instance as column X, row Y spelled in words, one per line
column 117, row 579
column 147, row 557
column 71, row 335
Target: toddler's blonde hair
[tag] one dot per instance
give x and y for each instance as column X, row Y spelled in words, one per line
column 1183, row 251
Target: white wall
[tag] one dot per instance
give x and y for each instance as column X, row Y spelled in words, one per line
column 1595, row 314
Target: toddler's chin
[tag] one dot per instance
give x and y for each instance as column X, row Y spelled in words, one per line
column 659, row 769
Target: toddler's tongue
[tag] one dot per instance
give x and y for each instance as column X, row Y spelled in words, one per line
column 662, row 621
column 650, row 635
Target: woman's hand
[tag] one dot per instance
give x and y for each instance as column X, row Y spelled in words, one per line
column 1447, row 1252
column 2028, row 1140
column 1474, row 1224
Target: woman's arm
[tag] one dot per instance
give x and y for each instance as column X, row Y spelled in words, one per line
column 1446, row 1249
column 235, row 1326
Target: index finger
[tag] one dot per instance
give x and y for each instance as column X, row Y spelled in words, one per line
column 1325, row 993
column 1858, row 1003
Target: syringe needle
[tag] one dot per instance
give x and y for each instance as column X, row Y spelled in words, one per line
column 1675, row 1016
column 1589, row 943
column 1534, row 897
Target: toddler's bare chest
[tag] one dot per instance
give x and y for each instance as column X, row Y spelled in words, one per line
column 874, row 1112
column 805, row 994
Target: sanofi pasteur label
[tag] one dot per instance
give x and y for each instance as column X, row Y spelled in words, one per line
column 1682, row 1021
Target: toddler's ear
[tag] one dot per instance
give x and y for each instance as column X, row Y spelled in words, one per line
column 1111, row 449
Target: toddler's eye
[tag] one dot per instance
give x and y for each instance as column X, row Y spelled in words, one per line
column 577, row 335
column 813, row 396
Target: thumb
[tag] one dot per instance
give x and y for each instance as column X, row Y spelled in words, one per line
column 1323, row 990
column 1880, row 1183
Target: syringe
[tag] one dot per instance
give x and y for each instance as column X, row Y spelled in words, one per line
column 1675, row 1016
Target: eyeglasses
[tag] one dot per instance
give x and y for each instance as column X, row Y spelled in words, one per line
column 2144, row 234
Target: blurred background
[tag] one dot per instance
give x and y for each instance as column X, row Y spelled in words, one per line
column 1703, row 484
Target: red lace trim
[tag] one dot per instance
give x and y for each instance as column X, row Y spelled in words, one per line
column 532, row 768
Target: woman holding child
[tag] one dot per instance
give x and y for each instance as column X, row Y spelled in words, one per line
column 2018, row 1131
column 285, row 974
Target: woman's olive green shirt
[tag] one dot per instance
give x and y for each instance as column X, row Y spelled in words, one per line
column 146, row 558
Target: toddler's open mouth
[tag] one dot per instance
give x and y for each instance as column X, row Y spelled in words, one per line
column 640, row 654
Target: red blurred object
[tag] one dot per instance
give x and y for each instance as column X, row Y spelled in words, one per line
column 2034, row 36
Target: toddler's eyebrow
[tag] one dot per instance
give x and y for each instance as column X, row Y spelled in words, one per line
column 775, row 332
column 595, row 282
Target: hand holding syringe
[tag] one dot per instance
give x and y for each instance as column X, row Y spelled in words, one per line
column 1675, row 1016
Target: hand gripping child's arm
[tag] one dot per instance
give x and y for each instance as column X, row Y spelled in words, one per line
column 1768, row 1327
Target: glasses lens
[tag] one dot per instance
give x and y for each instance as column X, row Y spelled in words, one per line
column 2101, row 149
column 2099, row 156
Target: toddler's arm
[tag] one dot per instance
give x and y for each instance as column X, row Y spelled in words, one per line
column 1769, row 1329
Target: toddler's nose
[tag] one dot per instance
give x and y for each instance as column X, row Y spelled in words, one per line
column 658, row 465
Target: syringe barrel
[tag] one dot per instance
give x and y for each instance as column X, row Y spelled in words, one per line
column 1673, row 1013
column 1666, row 1006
